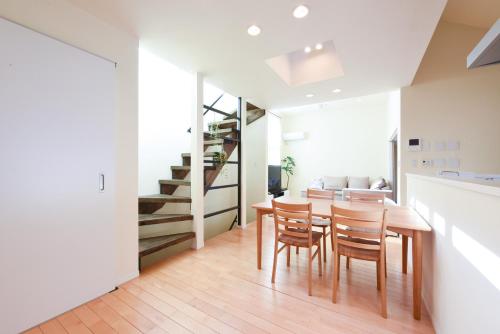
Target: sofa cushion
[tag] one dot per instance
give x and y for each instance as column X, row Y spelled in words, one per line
column 334, row 183
column 316, row 184
column 359, row 182
column 378, row 183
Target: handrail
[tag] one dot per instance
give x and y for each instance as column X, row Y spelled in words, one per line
column 224, row 186
column 209, row 107
column 217, row 111
column 236, row 115
column 221, row 211
column 213, row 104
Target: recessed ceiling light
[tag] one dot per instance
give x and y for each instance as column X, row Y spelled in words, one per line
column 300, row 11
column 337, row 90
column 319, row 46
column 253, row 30
column 307, row 49
column 310, row 95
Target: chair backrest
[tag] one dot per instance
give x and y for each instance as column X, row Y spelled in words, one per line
column 321, row 194
column 365, row 197
column 359, row 225
column 293, row 219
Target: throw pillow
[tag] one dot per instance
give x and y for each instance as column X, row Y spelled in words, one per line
column 378, row 183
column 334, row 183
column 359, row 182
column 316, row 184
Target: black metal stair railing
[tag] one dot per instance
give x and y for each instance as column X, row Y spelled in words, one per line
column 236, row 141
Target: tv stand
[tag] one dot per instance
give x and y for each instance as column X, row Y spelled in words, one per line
column 278, row 193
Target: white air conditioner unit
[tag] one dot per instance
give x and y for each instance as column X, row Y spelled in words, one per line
column 487, row 51
column 291, row 136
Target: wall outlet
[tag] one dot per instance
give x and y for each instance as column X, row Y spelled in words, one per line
column 440, row 163
column 426, row 163
column 454, row 163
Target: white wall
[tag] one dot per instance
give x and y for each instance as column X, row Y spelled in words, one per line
column 448, row 102
column 394, row 127
column 343, row 138
column 63, row 21
column 256, row 150
column 461, row 260
column 164, row 117
column 274, row 141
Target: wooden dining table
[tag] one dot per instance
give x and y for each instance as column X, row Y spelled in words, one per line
column 399, row 219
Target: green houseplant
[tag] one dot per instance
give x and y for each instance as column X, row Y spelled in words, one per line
column 288, row 165
column 220, row 157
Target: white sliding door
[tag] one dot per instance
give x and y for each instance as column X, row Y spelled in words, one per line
column 56, row 136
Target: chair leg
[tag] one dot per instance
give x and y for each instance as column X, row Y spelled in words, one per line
column 324, row 243
column 288, row 256
column 338, row 266
column 331, row 236
column 309, row 271
column 275, row 260
column 383, row 292
column 385, row 264
column 378, row 275
column 320, row 265
column 347, row 262
column 335, row 264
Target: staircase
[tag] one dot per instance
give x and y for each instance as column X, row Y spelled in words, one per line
column 171, row 205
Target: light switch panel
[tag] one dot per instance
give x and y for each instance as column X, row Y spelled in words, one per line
column 439, row 146
column 453, row 145
column 440, row 163
column 453, row 163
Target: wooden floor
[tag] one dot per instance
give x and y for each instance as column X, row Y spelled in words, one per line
column 219, row 290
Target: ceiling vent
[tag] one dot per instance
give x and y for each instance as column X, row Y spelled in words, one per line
column 487, row 51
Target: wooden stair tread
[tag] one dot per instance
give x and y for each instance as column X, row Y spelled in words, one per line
column 188, row 168
column 180, row 167
column 223, row 131
column 213, row 142
column 228, row 123
column 206, row 154
column 161, row 198
column 176, row 182
column 255, row 114
column 152, row 219
column 154, row 244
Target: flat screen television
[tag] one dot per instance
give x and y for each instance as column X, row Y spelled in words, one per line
column 273, row 178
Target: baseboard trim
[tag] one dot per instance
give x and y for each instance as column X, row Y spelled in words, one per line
column 126, row 278
column 431, row 316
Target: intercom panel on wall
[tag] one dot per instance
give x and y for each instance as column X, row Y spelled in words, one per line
column 415, row 144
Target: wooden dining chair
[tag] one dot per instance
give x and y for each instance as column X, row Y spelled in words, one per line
column 290, row 230
column 363, row 197
column 368, row 244
column 320, row 222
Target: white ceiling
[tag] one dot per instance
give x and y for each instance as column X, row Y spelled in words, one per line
column 380, row 43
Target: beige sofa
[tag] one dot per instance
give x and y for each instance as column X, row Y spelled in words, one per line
column 343, row 184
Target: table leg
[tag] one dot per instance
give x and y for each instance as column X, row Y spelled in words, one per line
column 259, row 239
column 417, row 273
column 405, row 254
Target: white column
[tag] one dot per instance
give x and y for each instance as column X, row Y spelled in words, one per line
column 243, row 164
column 197, row 193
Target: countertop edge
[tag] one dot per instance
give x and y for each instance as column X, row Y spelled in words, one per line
column 470, row 185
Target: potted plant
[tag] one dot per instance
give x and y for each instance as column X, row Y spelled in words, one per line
column 220, row 157
column 288, row 165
